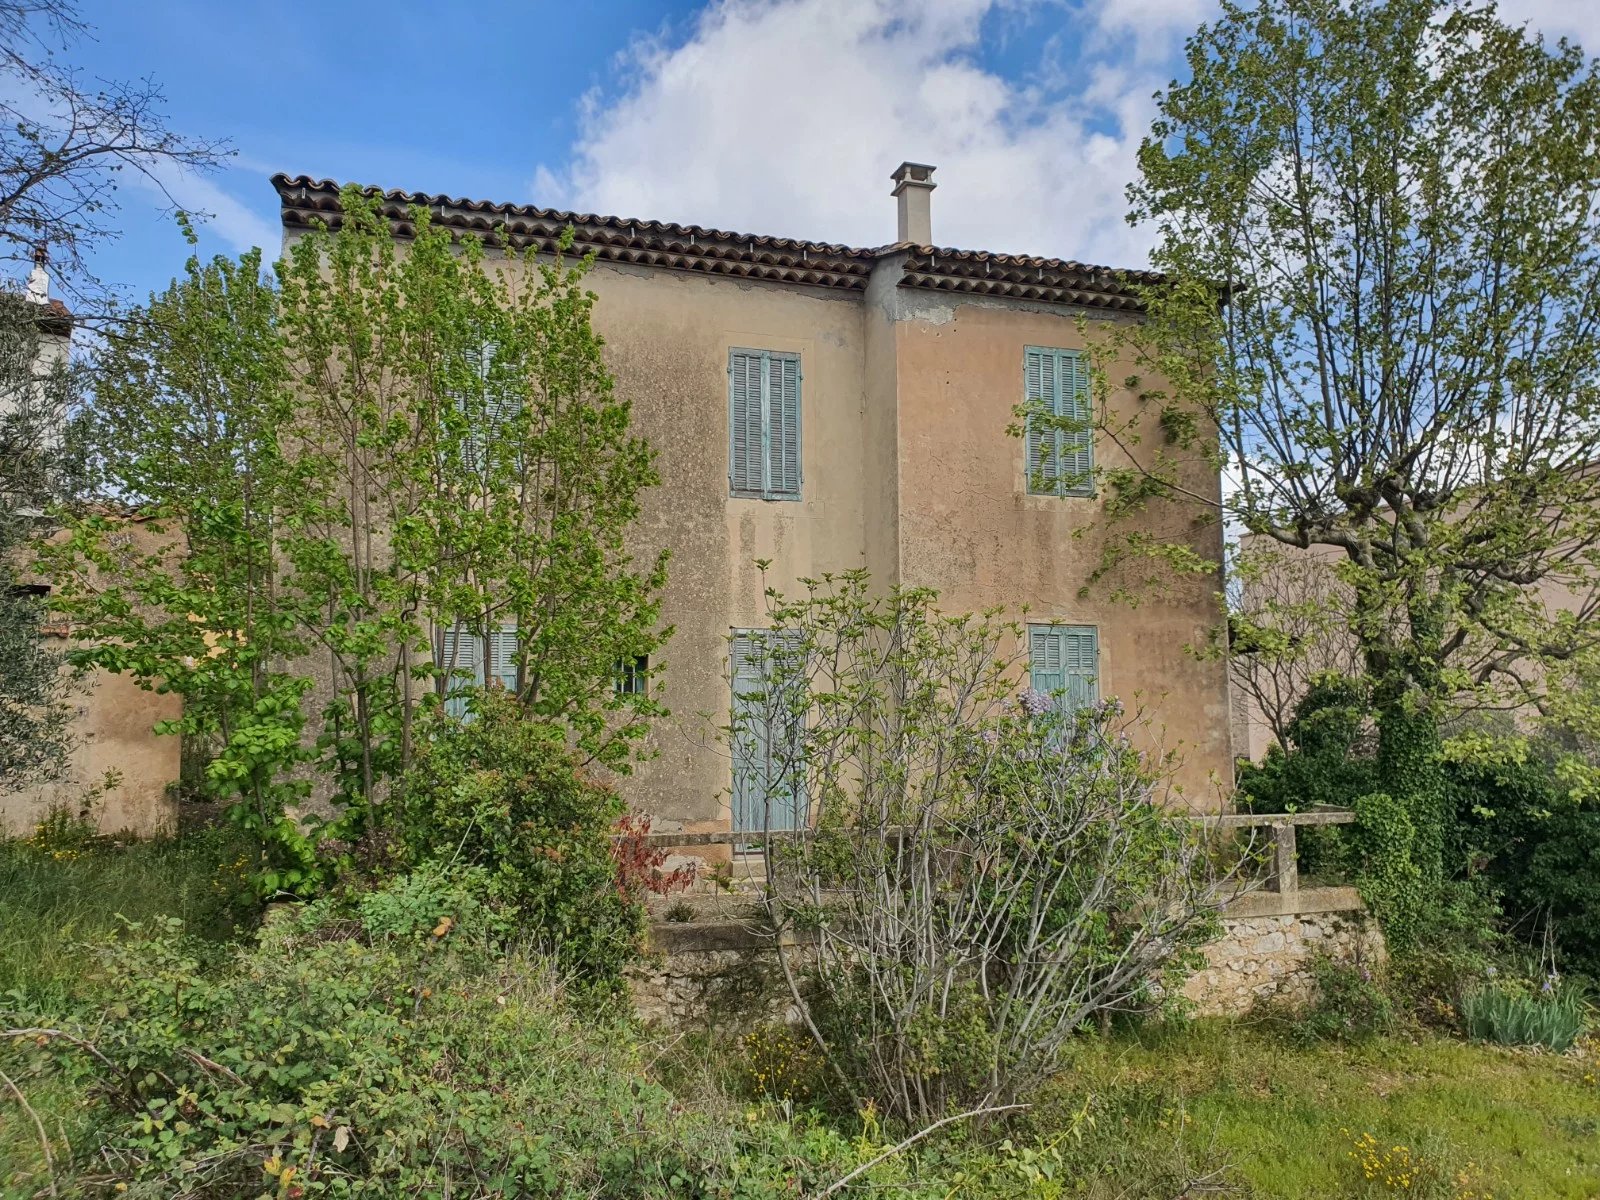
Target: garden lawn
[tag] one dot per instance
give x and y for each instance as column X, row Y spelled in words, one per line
column 1284, row 1117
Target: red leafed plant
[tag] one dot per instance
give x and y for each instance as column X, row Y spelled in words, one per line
column 639, row 863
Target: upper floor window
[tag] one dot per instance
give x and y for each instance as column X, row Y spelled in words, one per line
column 764, row 424
column 1060, row 432
column 1064, row 662
column 497, row 396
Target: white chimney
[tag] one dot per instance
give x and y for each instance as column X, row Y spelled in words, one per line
column 39, row 278
column 913, row 187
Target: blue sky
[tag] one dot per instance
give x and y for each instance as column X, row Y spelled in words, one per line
column 766, row 116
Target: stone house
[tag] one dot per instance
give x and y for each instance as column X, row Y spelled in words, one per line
column 825, row 408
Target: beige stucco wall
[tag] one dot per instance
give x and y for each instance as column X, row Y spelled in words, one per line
column 908, row 471
column 969, row 528
column 668, row 336
column 111, row 729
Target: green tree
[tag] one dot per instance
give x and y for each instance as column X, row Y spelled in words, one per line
column 1379, row 222
column 347, row 469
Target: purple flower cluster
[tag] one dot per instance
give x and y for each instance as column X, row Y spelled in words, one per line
column 1034, row 703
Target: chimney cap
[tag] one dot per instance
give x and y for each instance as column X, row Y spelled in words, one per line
column 911, row 174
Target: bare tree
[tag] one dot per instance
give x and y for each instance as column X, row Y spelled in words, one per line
column 66, row 140
column 977, row 870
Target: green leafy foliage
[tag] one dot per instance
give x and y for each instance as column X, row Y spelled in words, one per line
column 1522, row 830
column 991, row 868
column 372, row 1058
column 504, row 796
column 1351, row 1003
column 333, row 467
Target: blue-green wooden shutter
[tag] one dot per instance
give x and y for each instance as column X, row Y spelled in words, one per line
column 751, row 749
column 1065, row 660
column 764, row 441
column 783, row 397
column 1076, row 446
column 503, row 656
column 762, row 798
column 1037, row 394
column 461, row 654
column 1059, row 462
column 746, row 418
column 1046, row 669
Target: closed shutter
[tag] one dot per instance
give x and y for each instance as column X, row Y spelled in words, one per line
column 503, row 657
column 784, row 399
column 767, row 788
column 746, row 417
column 1064, row 661
column 751, row 750
column 764, row 440
column 501, row 403
column 461, row 657
column 461, row 653
column 1077, row 444
column 1059, row 462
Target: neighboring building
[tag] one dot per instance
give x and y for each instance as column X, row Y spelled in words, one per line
column 829, row 408
column 114, row 758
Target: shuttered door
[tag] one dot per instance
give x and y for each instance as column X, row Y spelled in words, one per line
column 766, row 791
column 503, row 657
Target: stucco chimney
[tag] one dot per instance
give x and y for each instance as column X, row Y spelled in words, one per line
column 913, row 187
column 39, row 277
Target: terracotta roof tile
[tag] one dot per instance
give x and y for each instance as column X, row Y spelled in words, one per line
column 306, row 201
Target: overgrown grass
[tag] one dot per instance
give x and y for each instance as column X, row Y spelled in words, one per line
column 63, row 892
column 1290, row 1120
column 58, row 895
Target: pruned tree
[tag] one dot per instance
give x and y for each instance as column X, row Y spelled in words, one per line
column 1379, row 222
column 978, row 870
column 66, row 140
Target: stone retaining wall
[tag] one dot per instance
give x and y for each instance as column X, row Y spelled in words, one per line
column 1268, row 955
column 723, row 974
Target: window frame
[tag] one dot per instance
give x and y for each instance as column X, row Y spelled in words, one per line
column 1094, row 682
column 1058, row 488
column 767, row 491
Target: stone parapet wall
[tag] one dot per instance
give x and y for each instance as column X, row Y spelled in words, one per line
column 721, row 973
column 1269, row 958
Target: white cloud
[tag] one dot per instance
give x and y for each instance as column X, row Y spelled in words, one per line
column 786, row 117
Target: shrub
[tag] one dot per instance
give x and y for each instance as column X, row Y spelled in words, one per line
column 1511, row 1016
column 376, row 1057
column 502, row 793
column 988, row 873
column 1524, row 834
column 1350, row 1003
